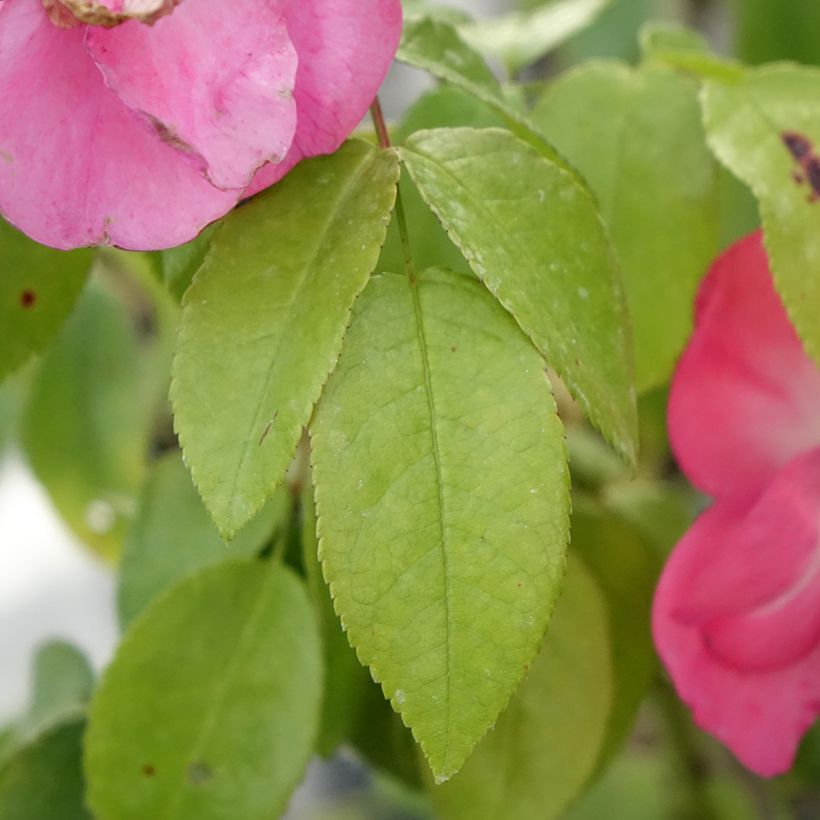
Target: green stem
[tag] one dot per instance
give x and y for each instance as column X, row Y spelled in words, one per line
column 401, row 220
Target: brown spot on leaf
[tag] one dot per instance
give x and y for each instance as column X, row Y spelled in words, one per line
column 148, row 770
column 28, row 298
column 807, row 161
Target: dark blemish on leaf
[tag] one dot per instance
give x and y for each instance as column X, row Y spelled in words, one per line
column 199, row 773
column 28, row 298
column 453, row 349
column 148, row 770
column 813, row 176
column 808, row 163
column 266, row 431
column 799, row 147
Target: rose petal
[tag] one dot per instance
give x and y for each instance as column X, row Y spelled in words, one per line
column 76, row 167
column 345, row 49
column 745, row 396
column 737, row 618
column 216, row 80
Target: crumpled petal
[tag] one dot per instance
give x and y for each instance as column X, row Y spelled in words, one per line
column 345, row 48
column 745, row 397
column 214, row 79
column 737, row 617
column 76, row 167
column 112, row 12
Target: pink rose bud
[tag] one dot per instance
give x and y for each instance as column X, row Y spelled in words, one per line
column 138, row 122
column 737, row 612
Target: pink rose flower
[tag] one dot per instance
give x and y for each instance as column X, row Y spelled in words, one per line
column 737, row 613
column 138, row 122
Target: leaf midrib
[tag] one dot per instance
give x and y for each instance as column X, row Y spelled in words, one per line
column 431, row 407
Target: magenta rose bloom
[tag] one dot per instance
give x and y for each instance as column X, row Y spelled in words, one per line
column 138, row 122
column 737, row 613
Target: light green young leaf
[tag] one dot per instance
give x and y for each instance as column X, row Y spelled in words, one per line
column 87, row 423
column 748, row 123
column 534, row 237
column 626, row 568
column 545, row 747
column 441, row 487
column 263, row 323
column 44, row 779
column 521, row 38
column 211, row 705
column 658, row 38
column 173, row 536
column 38, row 289
column 637, row 137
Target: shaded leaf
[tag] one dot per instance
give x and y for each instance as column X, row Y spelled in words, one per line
column 626, row 569
column 210, row 707
column 618, row 125
column 176, row 267
column 536, row 240
column 263, row 323
column 172, row 536
column 63, row 681
column 545, row 747
column 87, row 423
column 441, row 488
column 769, row 30
column 38, row 289
column 347, row 682
column 44, row 779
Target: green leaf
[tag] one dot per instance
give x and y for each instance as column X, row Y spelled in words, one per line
column 12, row 395
column 545, row 747
column 522, row 38
column 44, row 779
column 626, row 569
column 38, row 289
column 177, row 266
column 63, row 681
column 536, row 240
column 441, row 487
column 263, row 322
column 173, row 536
column 435, row 46
column 429, row 243
column 769, row 30
column 747, row 123
column 210, row 707
column 347, row 682
column 618, row 125
column 87, row 423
